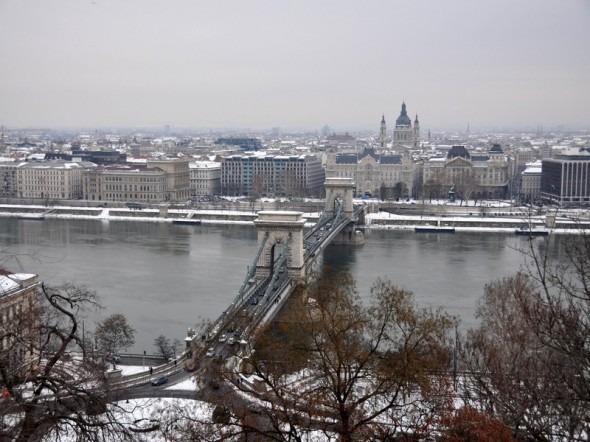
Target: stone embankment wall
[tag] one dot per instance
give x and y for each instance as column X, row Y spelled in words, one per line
column 391, row 217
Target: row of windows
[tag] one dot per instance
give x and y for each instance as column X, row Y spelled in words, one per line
column 133, row 179
column 45, row 195
column 46, row 172
column 124, row 187
column 136, row 196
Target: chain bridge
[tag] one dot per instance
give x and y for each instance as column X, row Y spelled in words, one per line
column 286, row 251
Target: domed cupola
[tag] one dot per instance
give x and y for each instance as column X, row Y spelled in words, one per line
column 403, row 119
column 458, row 151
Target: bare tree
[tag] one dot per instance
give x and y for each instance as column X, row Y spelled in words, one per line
column 433, row 187
column 348, row 370
column 468, row 424
column 256, row 190
column 114, row 333
column 163, row 347
column 51, row 394
column 560, row 311
column 467, row 185
column 528, row 361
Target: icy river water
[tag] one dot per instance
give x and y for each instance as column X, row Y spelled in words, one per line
column 165, row 277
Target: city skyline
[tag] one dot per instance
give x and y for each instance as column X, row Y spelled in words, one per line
column 264, row 64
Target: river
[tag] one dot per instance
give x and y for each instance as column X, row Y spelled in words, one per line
column 165, row 278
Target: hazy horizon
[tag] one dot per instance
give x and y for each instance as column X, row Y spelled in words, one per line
column 263, row 64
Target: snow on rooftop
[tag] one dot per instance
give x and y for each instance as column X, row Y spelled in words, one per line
column 204, row 165
column 7, row 285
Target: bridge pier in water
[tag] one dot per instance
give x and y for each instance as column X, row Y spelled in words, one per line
column 339, row 193
column 285, row 233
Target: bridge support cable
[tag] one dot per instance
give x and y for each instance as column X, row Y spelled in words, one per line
column 281, row 261
column 249, row 275
column 271, row 282
column 317, row 226
column 337, row 222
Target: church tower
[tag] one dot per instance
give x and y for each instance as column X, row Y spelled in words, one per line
column 2, row 145
column 403, row 133
column 383, row 134
column 416, row 132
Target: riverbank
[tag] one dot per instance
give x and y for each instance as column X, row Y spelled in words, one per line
column 125, row 214
column 502, row 223
column 506, row 222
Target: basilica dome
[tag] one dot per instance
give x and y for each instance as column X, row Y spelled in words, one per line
column 403, row 119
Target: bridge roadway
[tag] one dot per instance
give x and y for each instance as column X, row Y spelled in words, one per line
column 256, row 304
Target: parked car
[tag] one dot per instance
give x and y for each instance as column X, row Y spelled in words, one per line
column 210, row 352
column 159, row 381
column 222, row 338
column 254, row 301
column 231, row 340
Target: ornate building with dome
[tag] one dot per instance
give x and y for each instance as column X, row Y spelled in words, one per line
column 404, row 133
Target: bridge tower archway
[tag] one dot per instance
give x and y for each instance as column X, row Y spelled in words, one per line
column 285, row 233
column 339, row 191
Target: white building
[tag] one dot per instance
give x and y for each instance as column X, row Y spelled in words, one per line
column 530, row 189
column 47, row 180
column 205, row 178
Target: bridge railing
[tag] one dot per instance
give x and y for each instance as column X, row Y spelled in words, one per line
column 144, row 377
column 249, row 275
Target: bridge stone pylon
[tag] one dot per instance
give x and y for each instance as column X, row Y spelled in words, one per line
column 341, row 189
column 280, row 225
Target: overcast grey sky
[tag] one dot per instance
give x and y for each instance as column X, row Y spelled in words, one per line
column 303, row 63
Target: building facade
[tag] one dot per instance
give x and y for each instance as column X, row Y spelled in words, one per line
column 205, row 178
column 565, row 179
column 530, row 185
column 140, row 184
column 383, row 175
column 50, row 180
column 243, row 143
column 8, row 179
column 178, row 176
column 472, row 175
column 19, row 318
column 272, row 175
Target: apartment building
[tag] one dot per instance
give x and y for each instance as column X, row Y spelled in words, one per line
column 272, row 175
column 205, row 178
column 8, row 179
